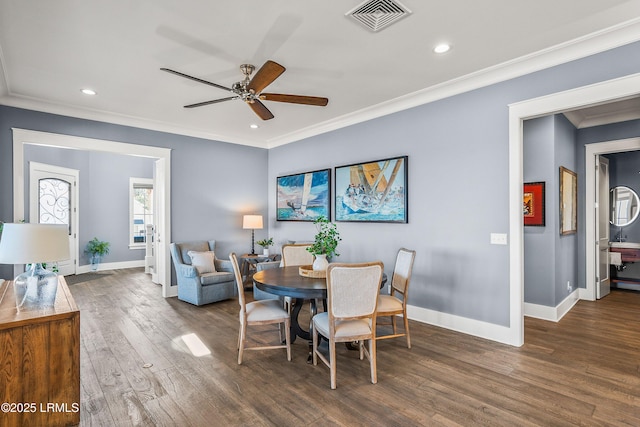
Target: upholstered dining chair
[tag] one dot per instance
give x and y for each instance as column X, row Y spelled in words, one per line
column 395, row 303
column 296, row 254
column 352, row 296
column 264, row 312
column 259, row 294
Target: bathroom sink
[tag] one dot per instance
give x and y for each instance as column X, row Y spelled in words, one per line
column 624, row 245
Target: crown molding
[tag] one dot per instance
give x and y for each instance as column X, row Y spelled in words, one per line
column 609, row 38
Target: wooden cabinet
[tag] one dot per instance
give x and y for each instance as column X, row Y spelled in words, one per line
column 39, row 362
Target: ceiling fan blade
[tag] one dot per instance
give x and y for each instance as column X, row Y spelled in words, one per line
column 186, row 76
column 215, row 101
column 295, row 99
column 259, row 108
column 265, row 76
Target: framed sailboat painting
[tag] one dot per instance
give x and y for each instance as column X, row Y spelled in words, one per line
column 372, row 191
column 304, row 196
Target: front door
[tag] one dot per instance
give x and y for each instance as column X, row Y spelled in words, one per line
column 603, row 283
column 52, row 200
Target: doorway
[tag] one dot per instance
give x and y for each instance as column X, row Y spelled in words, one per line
column 53, row 199
column 592, row 154
column 162, row 181
column 600, row 93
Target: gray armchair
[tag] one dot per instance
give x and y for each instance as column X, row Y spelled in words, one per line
column 200, row 289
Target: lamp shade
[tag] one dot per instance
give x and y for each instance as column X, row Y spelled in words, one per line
column 253, row 222
column 34, row 243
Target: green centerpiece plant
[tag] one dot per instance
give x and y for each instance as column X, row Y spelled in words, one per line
column 265, row 243
column 325, row 242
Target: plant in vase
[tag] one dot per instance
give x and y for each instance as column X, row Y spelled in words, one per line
column 96, row 250
column 325, row 242
column 265, row 243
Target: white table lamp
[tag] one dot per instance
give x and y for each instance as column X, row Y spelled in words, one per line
column 34, row 244
column 253, row 222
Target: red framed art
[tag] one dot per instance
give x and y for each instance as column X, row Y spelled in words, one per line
column 533, row 204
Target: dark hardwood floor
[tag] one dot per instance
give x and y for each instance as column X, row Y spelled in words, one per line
column 137, row 370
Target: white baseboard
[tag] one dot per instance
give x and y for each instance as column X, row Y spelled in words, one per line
column 553, row 314
column 104, row 266
column 502, row 334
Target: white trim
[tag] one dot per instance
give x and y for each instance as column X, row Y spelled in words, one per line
column 600, row 93
column 104, row 266
column 553, row 314
column 600, row 41
column 22, row 137
column 591, row 151
column 465, row 325
column 609, row 38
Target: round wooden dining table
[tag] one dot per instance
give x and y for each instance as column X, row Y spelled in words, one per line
column 287, row 282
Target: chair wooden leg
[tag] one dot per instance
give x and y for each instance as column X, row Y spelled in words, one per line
column 393, row 324
column 287, row 335
column 406, row 329
column 332, row 363
column 373, row 361
column 241, row 340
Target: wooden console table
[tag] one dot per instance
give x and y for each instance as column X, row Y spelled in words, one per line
column 39, row 361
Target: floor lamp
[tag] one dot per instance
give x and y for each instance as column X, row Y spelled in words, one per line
column 252, row 222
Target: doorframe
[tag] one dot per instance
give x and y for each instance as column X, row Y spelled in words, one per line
column 599, row 93
column 590, row 157
column 22, row 137
column 75, row 191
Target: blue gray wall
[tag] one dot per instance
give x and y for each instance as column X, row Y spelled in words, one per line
column 458, row 182
column 458, row 185
column 539, row 242
column 212, row 183
column 104, row 195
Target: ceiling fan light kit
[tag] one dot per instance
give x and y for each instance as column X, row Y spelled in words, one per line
column 249, row 89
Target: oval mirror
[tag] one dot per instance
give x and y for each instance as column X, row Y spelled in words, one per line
column 623, row 202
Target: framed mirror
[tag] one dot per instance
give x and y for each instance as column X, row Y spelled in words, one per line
column 623, row 202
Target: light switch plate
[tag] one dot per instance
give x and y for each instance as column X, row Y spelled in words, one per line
column 498, row 238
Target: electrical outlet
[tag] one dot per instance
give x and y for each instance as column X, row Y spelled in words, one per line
column 498, row 239
column 568, row 285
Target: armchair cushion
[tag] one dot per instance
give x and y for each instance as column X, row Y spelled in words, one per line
column 216, row 277
column 204, row 262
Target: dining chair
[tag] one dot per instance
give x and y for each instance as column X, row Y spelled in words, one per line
column 352, row 296
column 263, row 312
column 296, row 254
column 259, row 294
column 395, row 303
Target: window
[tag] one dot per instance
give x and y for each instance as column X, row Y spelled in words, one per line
column 140, row 210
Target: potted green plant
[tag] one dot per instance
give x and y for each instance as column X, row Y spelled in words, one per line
column 325, row 242
column 265, row 243
column 96, row 250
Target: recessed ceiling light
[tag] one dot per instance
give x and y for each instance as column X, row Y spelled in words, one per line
column 254, row 126
column 442, row 48
column 88, row 91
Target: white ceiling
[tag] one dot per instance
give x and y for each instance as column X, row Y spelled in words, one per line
column 49, row 50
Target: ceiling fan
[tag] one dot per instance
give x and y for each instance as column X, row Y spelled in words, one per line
column 250, row 89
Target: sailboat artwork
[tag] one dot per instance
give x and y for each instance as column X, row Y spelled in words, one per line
column 373, row 191
column 304, row 196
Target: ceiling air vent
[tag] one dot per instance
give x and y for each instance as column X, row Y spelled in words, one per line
column 378, row 14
